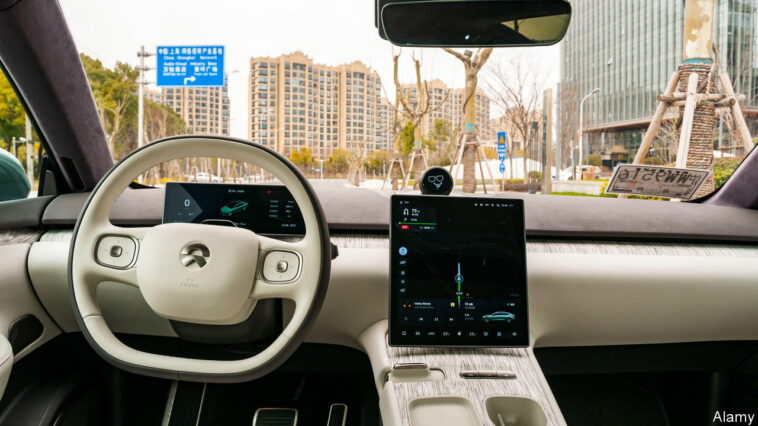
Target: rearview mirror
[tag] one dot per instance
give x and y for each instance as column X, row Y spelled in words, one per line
column 473, row 23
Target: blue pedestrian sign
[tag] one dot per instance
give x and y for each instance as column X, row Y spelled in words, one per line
column 190, row 66
column 502, row 143
column 502, row 149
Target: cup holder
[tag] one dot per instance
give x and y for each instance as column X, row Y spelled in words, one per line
column 515, row 411
column 442, row 411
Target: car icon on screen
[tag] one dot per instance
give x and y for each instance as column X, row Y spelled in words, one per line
column 233, row 207
column 500, row 316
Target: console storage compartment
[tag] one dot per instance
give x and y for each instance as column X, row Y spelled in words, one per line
column 515, row 411
column 442, row 411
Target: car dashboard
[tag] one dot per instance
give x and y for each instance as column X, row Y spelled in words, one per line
column 584, row 291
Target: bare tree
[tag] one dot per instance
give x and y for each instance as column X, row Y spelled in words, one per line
column 472, row 63
column 441, row 143
column 667, row 142
column 160, row 122
column 741, row 70
column 517, row 89
column 112, row 113
column 413, row 113
column 356, row 160
column 394, row 128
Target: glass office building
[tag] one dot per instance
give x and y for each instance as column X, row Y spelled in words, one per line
column 629, row 49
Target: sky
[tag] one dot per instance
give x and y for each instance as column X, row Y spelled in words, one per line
column 331, row 32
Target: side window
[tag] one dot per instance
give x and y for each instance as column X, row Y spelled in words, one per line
column 20, row 148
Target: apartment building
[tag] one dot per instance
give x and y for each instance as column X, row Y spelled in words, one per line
column 295, row 103
column 205, row 110
column 153, row 95
column 386, row 125
column 447, row 104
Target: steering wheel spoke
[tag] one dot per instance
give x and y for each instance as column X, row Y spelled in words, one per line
column 98, row 273
column 267, row 290
column 116, row 252
column 268, row 244
column 280, row 272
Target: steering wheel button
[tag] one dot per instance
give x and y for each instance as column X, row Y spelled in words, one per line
column 281, row 266
column 116, row 251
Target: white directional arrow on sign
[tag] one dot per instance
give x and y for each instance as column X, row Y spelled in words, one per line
column 186, row 79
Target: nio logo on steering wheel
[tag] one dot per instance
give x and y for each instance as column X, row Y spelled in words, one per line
column 195, row 256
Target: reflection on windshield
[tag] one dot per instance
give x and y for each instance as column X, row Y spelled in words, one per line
column 557, row 120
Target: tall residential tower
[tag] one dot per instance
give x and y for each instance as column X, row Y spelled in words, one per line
column 205, row 110
column 295, row 103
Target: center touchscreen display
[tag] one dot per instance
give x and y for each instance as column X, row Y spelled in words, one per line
column 263, row 209
column 458, row 272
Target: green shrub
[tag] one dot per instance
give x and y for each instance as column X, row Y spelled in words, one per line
column 723, row 169
column 593, row 160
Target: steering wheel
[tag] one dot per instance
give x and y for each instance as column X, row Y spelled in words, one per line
column 195, row 273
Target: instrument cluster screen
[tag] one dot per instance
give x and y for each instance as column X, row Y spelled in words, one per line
column 458, row 272
column 263, row 209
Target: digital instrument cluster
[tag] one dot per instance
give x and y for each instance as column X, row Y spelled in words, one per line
column 264, row 209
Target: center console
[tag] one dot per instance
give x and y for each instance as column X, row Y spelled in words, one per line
column 455, row 350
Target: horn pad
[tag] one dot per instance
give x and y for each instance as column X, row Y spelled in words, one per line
column 195, row 273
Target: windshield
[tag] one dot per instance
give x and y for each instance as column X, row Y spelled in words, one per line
column 314, row 81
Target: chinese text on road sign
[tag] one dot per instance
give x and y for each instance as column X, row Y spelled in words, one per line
column 190, row 66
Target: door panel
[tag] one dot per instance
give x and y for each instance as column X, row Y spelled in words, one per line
column 18, row 300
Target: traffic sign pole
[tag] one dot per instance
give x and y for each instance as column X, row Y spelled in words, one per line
column 502, row 152
column 142, row 54
column 141, row 99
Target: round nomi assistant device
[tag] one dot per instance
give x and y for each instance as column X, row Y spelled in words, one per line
column 437, row 181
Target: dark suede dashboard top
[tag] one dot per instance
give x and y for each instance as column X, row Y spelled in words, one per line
column 357, row 209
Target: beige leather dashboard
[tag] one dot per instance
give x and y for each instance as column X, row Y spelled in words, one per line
column 580, row 294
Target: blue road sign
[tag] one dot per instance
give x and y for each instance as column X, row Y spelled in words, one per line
column 502, row 144
column 190, row 66
column 501, row 157
column 502, row 167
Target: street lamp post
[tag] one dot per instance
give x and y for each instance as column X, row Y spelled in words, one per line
column 141, row 84
column 29, row 149
column 141, row 54
column 580, row 133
